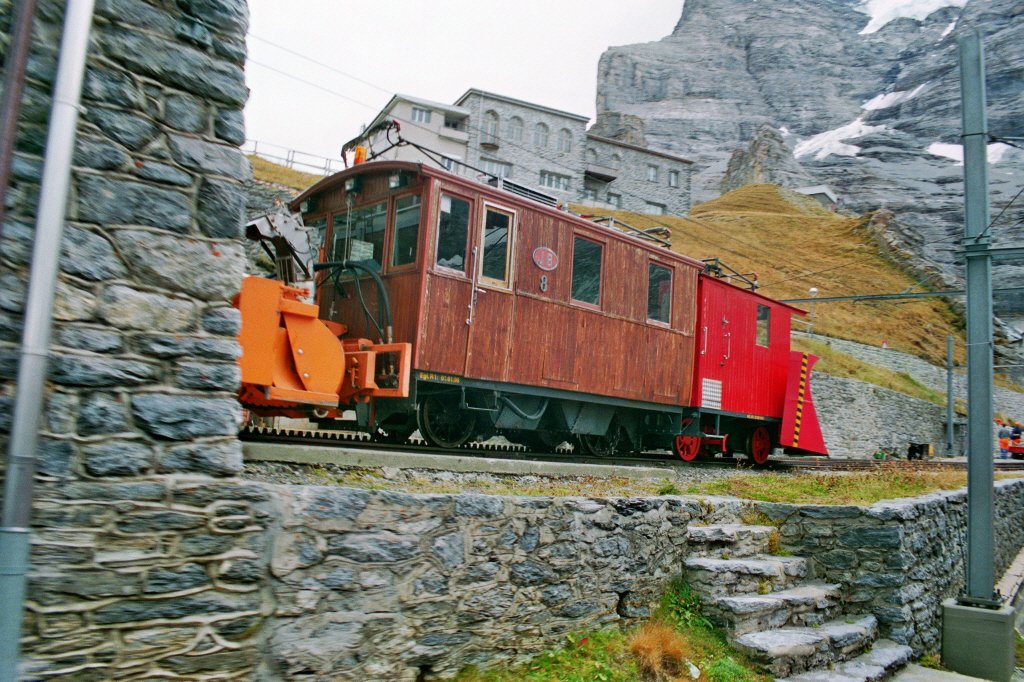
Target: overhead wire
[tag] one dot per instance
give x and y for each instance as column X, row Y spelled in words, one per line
column 537, row 152
column 503, row 140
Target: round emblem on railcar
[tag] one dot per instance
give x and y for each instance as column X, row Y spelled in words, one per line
column 545, row 258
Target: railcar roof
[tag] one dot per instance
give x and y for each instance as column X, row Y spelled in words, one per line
column 336, row 180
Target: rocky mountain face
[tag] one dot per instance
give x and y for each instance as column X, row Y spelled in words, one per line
column 874, row 114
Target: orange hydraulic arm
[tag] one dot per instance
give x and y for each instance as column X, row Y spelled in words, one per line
column 291, row 358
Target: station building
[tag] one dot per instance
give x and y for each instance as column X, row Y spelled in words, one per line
column 535, row 147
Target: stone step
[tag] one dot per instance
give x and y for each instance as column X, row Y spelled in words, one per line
column 790, row 650
column 730, row 540
column 755, row 575
column 880, row 663
column 810, row 605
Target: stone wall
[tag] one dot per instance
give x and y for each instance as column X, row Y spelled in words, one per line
column 144, row 564
column 858, row 418
column 900, row 559
column 1004, row 400
column 377, row 585
column 387, row 586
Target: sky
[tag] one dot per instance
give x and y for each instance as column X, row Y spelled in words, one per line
column 320, row 69
column 543, row 51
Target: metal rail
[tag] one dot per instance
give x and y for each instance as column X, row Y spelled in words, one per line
column 362, row 441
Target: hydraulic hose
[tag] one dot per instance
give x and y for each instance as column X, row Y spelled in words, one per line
column 383, row 302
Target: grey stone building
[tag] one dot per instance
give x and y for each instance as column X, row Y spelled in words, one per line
column 539, row 148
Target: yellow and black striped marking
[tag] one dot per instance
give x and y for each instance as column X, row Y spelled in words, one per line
column 800, row 401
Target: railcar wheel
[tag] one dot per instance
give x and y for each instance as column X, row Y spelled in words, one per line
column 604, row 445
column 759, row 446
column 688, row 447
column 443, row 423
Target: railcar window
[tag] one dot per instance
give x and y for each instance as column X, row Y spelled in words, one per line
column 407, row 230
column 659, row 293
column 359, row 234
column 497, row 233
column 586, row 271
column 764, row 320
column 452, row 230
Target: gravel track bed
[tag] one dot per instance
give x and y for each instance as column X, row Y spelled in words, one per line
column 676, row 481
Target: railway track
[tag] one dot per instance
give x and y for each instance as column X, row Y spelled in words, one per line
column 324, row 440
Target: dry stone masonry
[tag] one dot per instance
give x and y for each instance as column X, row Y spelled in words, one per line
column 152, row 559
column 144, row 564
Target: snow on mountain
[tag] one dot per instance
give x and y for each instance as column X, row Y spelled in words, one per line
column 891, row 99
column 831, row 141
column 884, row 11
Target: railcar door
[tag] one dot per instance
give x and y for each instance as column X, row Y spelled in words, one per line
column 714, row 339
column 493, row 302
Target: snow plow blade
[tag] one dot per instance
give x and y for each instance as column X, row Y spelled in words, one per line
column 800, row 428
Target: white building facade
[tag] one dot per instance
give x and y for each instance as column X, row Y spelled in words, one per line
column 536, row 147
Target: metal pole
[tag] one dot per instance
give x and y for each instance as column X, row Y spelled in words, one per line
column 949, row 396
column 60, row 142
column 980, row 580
column 14, row 80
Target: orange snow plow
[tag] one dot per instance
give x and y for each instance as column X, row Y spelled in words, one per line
column 291, row 358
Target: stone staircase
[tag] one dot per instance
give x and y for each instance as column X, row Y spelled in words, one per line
column 794, row 626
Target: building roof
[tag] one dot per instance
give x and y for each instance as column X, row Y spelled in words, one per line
column 521, row 103
column 393, row 102
column 638, row 148
column 819, row 189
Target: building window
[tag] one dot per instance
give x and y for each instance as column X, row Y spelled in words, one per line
column 652, row 172
column 616, row 162
column 453, row 123
column 515, row 129
column 540, row 135
column 673, row 178
column 586, row 271
column 452, row 230
column 494, row 260
column 490, row 135
column 420, row 115
column 590, row 194
column 659, row 293
column 359, row 234
column 615, row 200
column 764, row 319
column 448, row 163
column 554, row 180
column 407, row 230
column 655, row 209
column 498, row 169
column 591, row 156
column 564, row 140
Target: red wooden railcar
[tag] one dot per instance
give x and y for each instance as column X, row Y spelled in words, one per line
column 536, row 324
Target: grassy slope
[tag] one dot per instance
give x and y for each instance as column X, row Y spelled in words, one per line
column 268, row 171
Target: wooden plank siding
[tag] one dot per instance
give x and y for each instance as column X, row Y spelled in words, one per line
column 533, row 333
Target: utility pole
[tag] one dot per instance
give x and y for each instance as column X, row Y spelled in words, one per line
column 977, row 633
column 949, row 395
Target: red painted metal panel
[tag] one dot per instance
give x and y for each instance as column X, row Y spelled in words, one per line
column 800, row 428
column 734, row 372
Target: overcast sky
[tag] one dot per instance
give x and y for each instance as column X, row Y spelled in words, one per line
column 320, row 69
column 543, row 51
